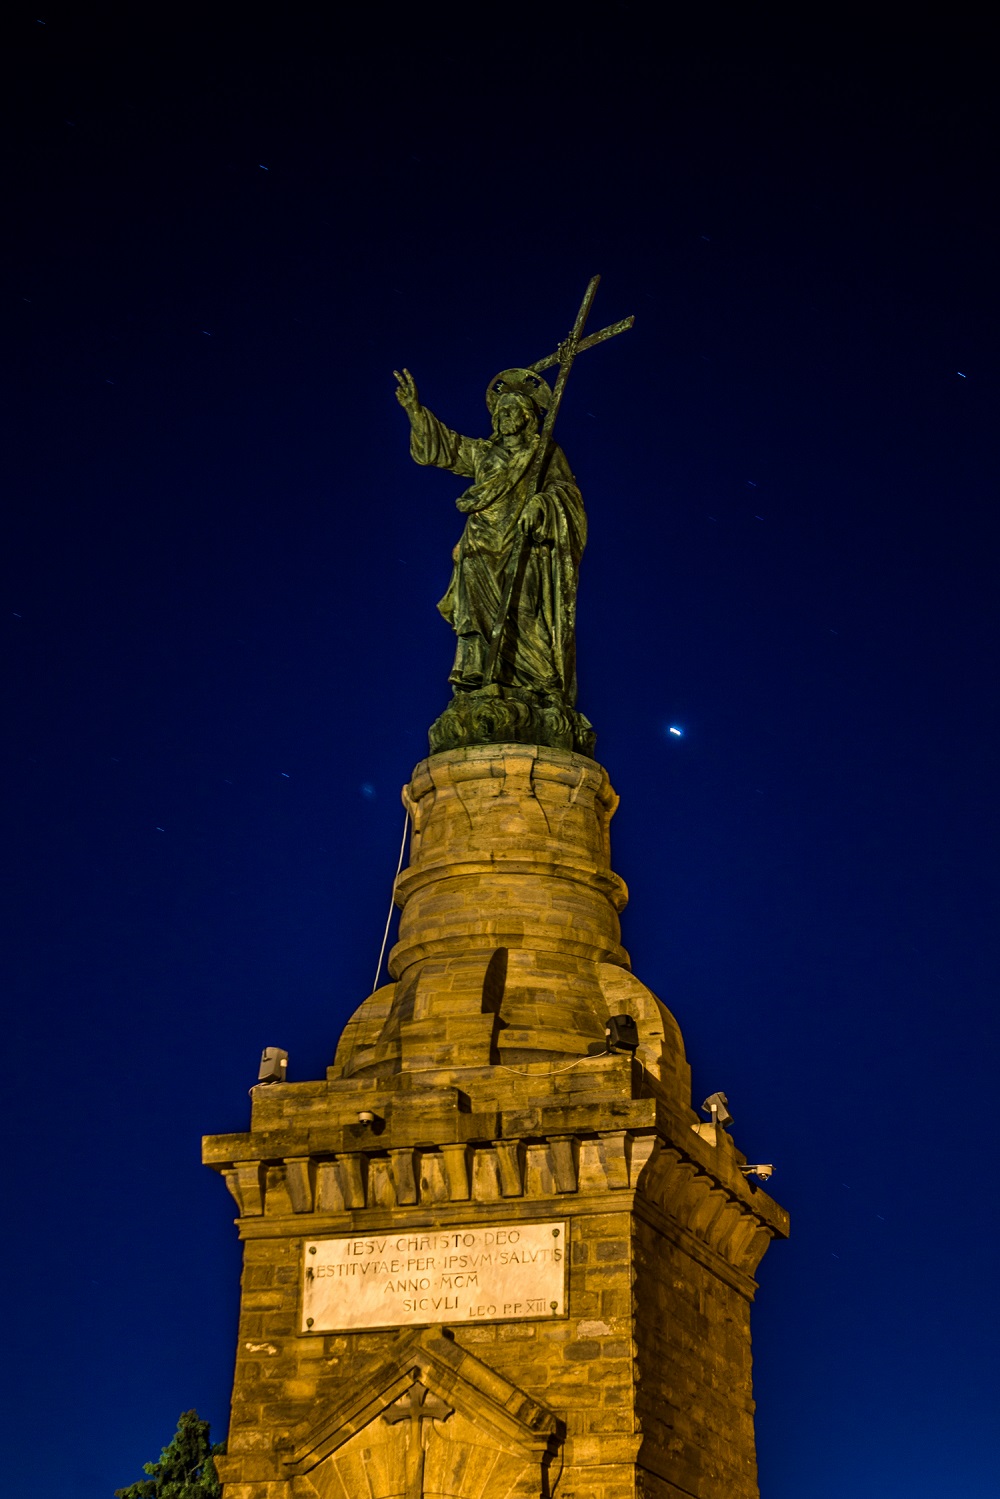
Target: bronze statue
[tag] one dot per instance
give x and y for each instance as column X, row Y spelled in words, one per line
column 512, row 596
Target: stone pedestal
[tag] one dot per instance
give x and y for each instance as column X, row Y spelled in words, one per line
column 501, row 714
column 483, row 1257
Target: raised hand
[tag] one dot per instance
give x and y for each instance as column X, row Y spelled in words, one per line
column 406, row 392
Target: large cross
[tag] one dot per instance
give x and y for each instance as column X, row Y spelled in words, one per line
column 417, row 1406
column 574, row 344
column 567, row 351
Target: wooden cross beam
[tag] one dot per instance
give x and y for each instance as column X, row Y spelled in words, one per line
column 535, row 476
column 417, row 1406
column 585, row 343
column 567, row 352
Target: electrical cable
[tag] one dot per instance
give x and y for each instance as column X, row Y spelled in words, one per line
column 502, row 1066
column 392, row 898
column 588, row 1058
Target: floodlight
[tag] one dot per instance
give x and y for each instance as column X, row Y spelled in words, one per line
column 716, row 1105
column 273, row 1065
column 621, row 1033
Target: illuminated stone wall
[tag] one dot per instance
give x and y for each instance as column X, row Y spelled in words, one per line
column 494, row 1104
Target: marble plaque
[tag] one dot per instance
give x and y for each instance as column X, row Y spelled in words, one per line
column 501, row 1273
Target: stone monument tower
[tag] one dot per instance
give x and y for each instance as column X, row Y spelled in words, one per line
column 495, row 1252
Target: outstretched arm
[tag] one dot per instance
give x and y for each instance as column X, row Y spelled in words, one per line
column 431, row 442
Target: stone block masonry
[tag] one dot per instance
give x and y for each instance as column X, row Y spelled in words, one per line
column 495, row 1107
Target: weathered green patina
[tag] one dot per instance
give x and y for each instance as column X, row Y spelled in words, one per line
column 512, row 596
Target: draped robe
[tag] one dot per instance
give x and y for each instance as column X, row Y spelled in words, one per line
column 538, row 643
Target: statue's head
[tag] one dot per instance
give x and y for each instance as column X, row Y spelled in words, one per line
column 516, row 399
column 514, row 413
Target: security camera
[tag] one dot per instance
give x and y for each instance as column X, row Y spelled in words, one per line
column 366, row 1117
column 762, row 1171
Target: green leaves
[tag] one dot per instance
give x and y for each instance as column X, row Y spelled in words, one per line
column 186, row 1469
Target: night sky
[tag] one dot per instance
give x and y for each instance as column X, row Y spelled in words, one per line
column 221, row 651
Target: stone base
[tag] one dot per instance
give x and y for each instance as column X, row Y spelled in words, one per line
column 472, row 1100
column 638, row 1387
column 499, row 714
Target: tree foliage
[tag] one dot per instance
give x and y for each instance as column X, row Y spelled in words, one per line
column 186, row 1469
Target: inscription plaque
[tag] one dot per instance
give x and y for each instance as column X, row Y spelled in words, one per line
column 501, row 1273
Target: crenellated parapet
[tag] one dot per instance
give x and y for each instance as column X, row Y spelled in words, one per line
column 434, row 1148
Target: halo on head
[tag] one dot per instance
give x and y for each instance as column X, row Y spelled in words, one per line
column 524, row 383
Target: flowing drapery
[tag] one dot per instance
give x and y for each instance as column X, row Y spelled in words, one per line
column 538, row 643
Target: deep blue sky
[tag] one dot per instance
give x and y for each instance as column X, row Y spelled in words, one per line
column 222, row 653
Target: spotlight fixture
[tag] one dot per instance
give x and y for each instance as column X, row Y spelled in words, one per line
column 716, row 1106
column 273, row 1065
column 621, row 1033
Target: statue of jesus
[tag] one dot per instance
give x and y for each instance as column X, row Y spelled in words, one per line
column 514, row 532
column 512, row 596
